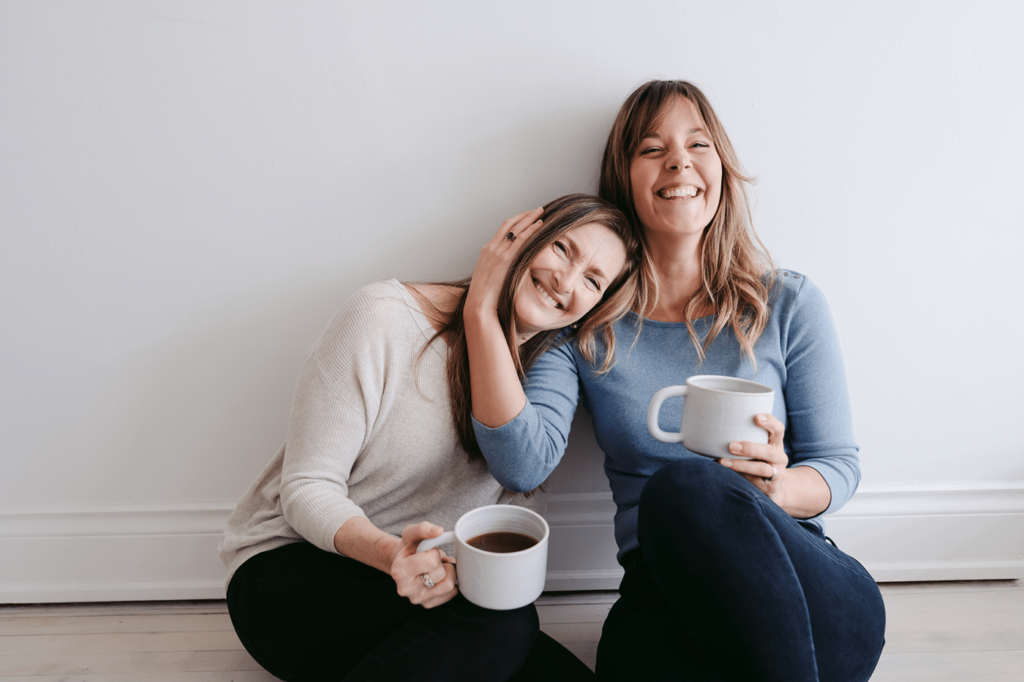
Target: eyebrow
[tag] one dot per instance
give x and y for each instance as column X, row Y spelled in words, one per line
column 594, row 269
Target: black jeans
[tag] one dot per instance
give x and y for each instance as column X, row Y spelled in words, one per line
column 728, row 586
column 305, row 614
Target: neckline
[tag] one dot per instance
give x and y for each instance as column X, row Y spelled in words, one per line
column 646, row 320
column 421, row 319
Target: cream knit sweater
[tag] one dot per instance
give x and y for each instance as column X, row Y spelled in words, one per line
column 370, row 434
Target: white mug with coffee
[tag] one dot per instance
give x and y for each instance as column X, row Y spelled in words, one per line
column 717, row 410
column 501, row 555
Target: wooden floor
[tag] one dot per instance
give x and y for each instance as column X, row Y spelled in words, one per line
column 937, row 632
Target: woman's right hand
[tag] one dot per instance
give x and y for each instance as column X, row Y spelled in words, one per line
column 409, row 567
column 496, row 258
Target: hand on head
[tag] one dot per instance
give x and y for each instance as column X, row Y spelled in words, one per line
column 572, row 259
column 414, row 573
column 496, row 258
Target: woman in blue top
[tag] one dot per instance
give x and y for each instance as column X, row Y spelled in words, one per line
column 728, row 573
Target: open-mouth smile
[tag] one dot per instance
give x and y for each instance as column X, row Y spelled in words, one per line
column 544, row 295
column 684, row 192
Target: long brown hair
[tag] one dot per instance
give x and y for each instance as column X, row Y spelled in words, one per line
column 736, row 270
column 560, row 216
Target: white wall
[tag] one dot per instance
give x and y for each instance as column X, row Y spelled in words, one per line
column 189, row 189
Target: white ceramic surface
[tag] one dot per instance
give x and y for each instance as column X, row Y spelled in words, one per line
column 498, row 581
column 717, row 410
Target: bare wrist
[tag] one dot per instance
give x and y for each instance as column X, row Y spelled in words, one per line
column 386, row 549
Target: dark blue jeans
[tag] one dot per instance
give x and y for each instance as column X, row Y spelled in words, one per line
column 305, row 614
column 728, row 586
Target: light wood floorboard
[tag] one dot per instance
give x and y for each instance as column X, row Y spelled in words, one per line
column 939, row 632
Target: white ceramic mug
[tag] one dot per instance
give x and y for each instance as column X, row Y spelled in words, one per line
column 498, row 581
column 717, row 410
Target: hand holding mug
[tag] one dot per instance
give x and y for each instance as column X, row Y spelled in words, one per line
column 729, row 419
column 425, row 578
column 502, row 554
column 764, row 464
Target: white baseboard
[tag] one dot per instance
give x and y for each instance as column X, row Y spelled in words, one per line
column 967, row 531
column 128, row 553
column 961, row 531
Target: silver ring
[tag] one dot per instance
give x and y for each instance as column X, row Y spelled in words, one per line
column 511, row 236
column 427, row 580
column 768, row 481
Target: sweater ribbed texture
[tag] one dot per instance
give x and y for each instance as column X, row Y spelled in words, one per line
column 370, row 434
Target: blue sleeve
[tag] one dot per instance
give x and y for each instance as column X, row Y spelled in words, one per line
column 820, row 424
column 522, row 453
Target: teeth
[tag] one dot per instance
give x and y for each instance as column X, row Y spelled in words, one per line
column 678, row 192
column 544, row 295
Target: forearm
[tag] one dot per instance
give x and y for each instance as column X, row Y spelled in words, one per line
column 497, row 392
column 359, row 539
column 806, row 493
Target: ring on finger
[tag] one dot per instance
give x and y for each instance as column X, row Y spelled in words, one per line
column 768, row 481
column 427, row 580
column 511, row 236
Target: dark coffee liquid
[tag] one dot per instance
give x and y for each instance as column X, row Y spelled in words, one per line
column 502, row 542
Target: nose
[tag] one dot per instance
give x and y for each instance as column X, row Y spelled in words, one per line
column 677, row 160
column 565, row 277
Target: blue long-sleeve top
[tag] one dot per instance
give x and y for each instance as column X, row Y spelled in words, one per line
column 798, row 355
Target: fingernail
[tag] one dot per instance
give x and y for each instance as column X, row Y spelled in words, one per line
column 735, row 447
column 726, row 462
column 762, row 417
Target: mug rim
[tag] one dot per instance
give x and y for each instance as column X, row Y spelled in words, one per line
column 760, row 389
column 535, row 547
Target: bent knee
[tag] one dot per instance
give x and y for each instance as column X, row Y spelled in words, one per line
column 691, row 478
column 516, row 628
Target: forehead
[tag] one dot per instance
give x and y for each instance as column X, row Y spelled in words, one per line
column 678, row 112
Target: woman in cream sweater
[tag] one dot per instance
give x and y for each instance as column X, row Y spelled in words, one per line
column 324, row 578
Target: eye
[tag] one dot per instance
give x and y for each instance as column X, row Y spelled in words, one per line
column 648, row 150
column 704, row 145
column 594, row 284
column 559, row 246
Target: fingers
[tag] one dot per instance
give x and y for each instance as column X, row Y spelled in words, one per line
column 520, row 220
column 765, row 463
column 442, row 591
column 427, row 578
column 414, row 534
column 519, row 226
column 423, row 577
column 776, row 431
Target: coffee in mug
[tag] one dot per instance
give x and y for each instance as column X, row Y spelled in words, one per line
column 502, row 542
column 501, row 555
column 717, row 410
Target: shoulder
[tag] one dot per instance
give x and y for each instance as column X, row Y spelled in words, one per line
column 792, row 290
column 377, row 296
column 373, row 316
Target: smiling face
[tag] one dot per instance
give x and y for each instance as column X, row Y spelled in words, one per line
column 675, row 173
column 568, row 278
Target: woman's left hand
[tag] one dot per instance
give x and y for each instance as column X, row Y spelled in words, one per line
column 767, row 467
column 496, row 258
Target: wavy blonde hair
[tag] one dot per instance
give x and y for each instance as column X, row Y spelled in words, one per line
column 737, row 272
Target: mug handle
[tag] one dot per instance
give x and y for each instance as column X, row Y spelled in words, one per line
column 442, row 539
column 655, row 408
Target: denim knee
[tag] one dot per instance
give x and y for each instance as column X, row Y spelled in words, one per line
column 692, row 481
